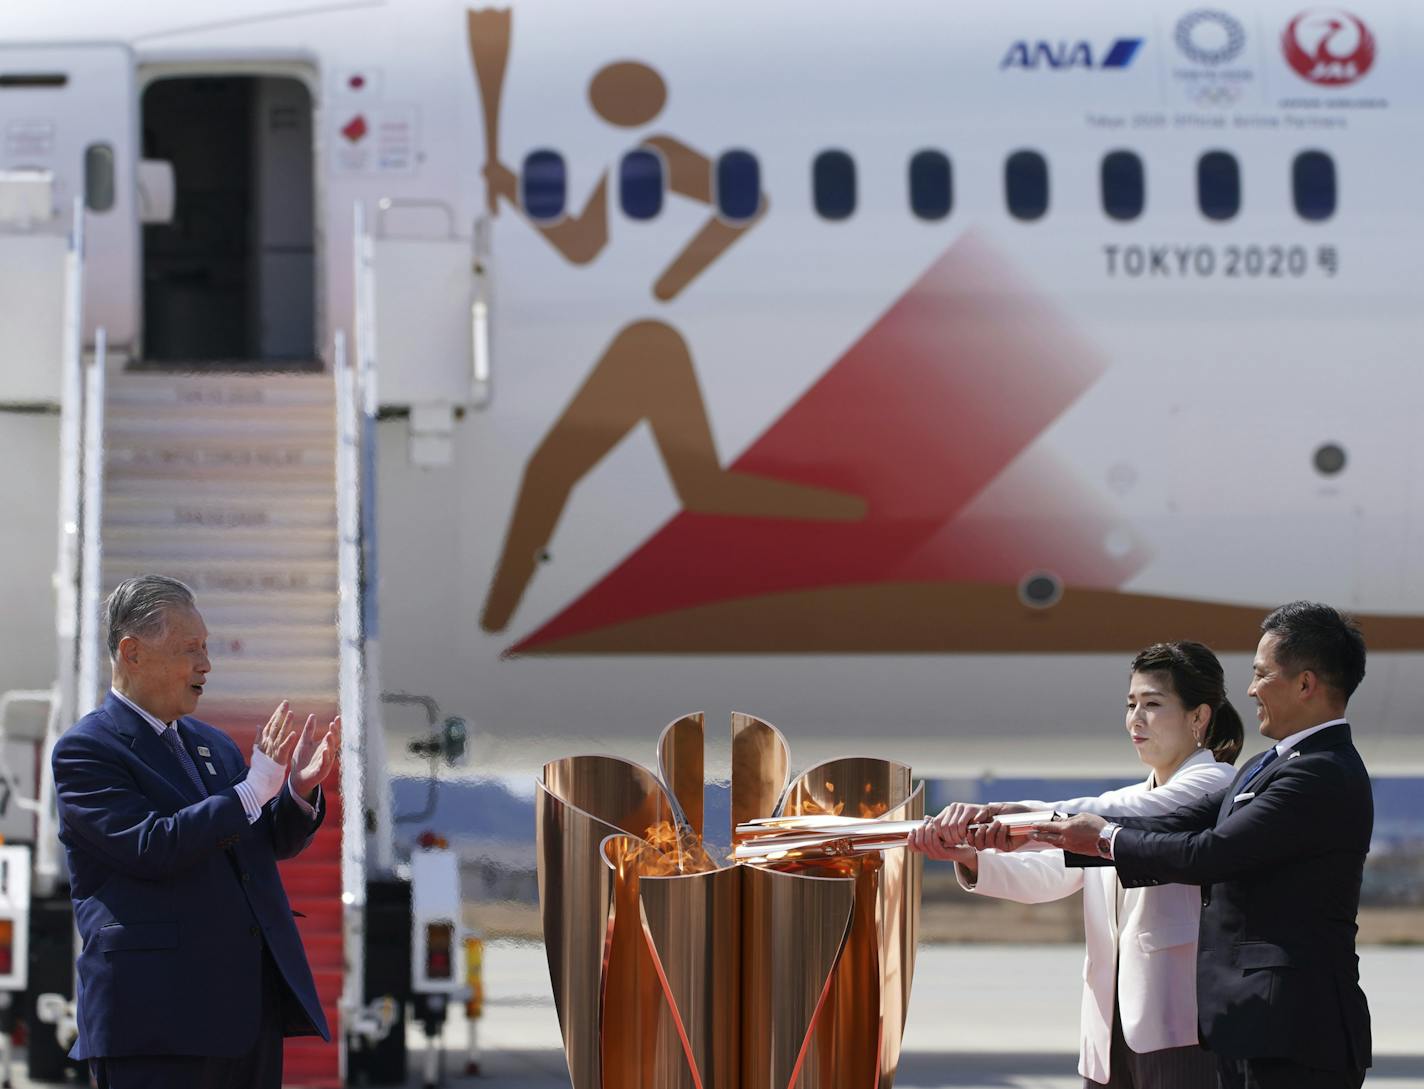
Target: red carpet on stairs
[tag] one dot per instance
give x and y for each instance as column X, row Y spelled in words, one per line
column 313, row 884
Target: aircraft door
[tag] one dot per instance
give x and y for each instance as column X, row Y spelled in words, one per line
column 70, row 113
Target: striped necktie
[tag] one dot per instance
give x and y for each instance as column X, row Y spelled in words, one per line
column 175, row 744
column 1270, row 755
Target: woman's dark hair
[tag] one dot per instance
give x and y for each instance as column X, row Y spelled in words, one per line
column 1197, row 679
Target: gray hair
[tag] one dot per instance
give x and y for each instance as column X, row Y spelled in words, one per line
column 139, row 607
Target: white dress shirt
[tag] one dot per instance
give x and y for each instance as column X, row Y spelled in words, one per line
column 262, row 765
column 1286, row 744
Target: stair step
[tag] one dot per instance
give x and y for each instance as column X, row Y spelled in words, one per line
column 243, row 728
column 157, row 432
column 231, row 390
column 123, row 544
column 254, row 692
column 235, row 458
column 322, row 948
column 310, row 878
column 199, row 420
column 321, row 914
column 271, row 642
column 309, row 1063
column 323, row 849
column 225, row 611
column 256, row 708
column 241, row 490
column 240, row 509
column 276, row 577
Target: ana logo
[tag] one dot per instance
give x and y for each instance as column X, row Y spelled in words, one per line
column 1329, row 46
column 1063, row 54
column 1210, row 37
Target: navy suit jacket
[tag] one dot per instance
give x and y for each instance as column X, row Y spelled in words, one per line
column 1277, row 974
column 175, row 895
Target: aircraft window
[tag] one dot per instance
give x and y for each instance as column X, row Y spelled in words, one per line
column 99, row 177
column 1026, row 185
column 931, row 184
column 738, row 185
column 1329, row 458
column 1124, row 186
column 640, row 184
column 1218, row 185
column 833, row 182
column 544, row 183
column 1040, row 589
column 1313, row 183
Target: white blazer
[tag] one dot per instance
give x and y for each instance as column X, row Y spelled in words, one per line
column 1152, row 942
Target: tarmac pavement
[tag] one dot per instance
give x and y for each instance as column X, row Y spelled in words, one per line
column 960, row 1034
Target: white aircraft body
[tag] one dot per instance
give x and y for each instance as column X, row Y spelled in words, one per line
column 891, row 372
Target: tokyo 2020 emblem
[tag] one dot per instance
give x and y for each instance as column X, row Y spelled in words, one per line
column 1210, row 37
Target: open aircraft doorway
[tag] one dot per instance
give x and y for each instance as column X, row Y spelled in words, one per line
column 229, row 275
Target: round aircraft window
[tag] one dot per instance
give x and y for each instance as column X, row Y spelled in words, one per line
column 1329, row 459
column 1040, row 589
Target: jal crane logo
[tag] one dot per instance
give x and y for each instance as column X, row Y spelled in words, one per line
column 1329, row 46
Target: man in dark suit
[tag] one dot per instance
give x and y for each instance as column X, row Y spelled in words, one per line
column 192, row 971
column 1279, row 856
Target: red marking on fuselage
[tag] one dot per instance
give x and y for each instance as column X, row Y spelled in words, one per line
column 920, row 417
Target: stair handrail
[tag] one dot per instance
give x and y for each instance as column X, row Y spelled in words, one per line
column 62, row 701
column 352, row 679
column 71, row 468
column 91, row 551
column 375, row 783
column 84, row 650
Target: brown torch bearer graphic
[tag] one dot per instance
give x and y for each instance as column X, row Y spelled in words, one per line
column 671, row 972
column 489, row 49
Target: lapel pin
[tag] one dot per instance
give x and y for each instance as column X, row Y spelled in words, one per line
column 204, row 751
column 1294, row 755
column 211, row 770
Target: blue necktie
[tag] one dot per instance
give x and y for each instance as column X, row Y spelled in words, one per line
column 174, row 743
column 1271, row 754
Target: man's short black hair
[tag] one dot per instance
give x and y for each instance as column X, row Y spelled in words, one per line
column 1319, row 638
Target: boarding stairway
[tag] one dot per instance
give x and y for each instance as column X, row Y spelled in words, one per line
column 228, row 482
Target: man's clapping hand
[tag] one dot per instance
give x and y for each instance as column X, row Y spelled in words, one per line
column 277, row 739
column 313, row 760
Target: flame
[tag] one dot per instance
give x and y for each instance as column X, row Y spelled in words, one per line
column 668, row 851
column 810, row 807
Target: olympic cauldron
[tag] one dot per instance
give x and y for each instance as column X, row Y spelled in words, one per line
column 671, row 971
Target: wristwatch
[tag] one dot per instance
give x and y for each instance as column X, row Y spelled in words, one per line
column 1105, row 839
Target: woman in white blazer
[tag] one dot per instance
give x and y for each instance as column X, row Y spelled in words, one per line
column 1139, row 1015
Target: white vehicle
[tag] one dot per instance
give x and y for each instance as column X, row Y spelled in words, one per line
column 891, row 372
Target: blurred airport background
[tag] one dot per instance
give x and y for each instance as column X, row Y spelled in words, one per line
column 490, row 823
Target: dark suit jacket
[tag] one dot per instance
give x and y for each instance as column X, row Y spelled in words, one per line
column 175, row 895
column 1277, row 974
